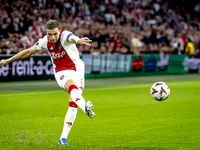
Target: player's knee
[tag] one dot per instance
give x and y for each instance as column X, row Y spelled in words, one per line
column 70, row 84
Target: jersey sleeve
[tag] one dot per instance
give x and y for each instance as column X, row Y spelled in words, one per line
column 66, row 35
column 41, row 43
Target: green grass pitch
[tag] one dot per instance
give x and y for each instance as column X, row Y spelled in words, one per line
column 127, row 117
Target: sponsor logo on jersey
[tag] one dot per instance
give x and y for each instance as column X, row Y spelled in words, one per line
column 51, row 48
column 57, row 55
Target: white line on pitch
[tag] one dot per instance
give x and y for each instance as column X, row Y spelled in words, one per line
column 98, row 89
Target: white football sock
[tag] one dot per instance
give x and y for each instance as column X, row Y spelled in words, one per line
column 69, row 119
column 76, row 97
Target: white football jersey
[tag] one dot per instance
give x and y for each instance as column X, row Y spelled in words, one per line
column 64, row 55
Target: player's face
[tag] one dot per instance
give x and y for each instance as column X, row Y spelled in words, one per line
column 53, row 35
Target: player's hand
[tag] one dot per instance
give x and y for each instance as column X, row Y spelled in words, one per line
column 84, row 41
column 4, row 62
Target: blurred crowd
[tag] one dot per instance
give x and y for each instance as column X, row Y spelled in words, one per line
column 115, row 26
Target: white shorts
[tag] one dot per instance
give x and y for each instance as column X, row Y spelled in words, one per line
column 78, row 76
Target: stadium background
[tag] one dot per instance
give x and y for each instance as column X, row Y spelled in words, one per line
column 124, row 32
column 130, row 38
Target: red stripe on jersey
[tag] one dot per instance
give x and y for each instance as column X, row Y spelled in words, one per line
column 72, row 104
column 60, row 58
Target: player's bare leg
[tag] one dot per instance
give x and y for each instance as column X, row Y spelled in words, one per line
column 74, row 92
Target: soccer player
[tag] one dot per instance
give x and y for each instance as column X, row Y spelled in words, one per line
column 68, row 69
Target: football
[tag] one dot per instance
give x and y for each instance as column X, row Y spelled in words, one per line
column 160, row 91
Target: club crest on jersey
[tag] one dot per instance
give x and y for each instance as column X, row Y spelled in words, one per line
column 51, row 48
column 57, row 55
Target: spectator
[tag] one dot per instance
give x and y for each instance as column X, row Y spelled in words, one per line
column 123, row 50
column 189, row 49
column 27, row 41
column 18, row 26
column 117, row 41
column 110, row 17
column 14, row 50
column 4, row 50
column 9, row 25
column 94, row 51
column 162, row 26
column 3, row 31
column 103, row 49
column 136, row 44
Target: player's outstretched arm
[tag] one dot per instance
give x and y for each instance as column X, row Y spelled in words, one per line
column 80, row 41
column 21, row 55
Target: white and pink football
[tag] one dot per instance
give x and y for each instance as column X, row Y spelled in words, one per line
column 160, row 91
